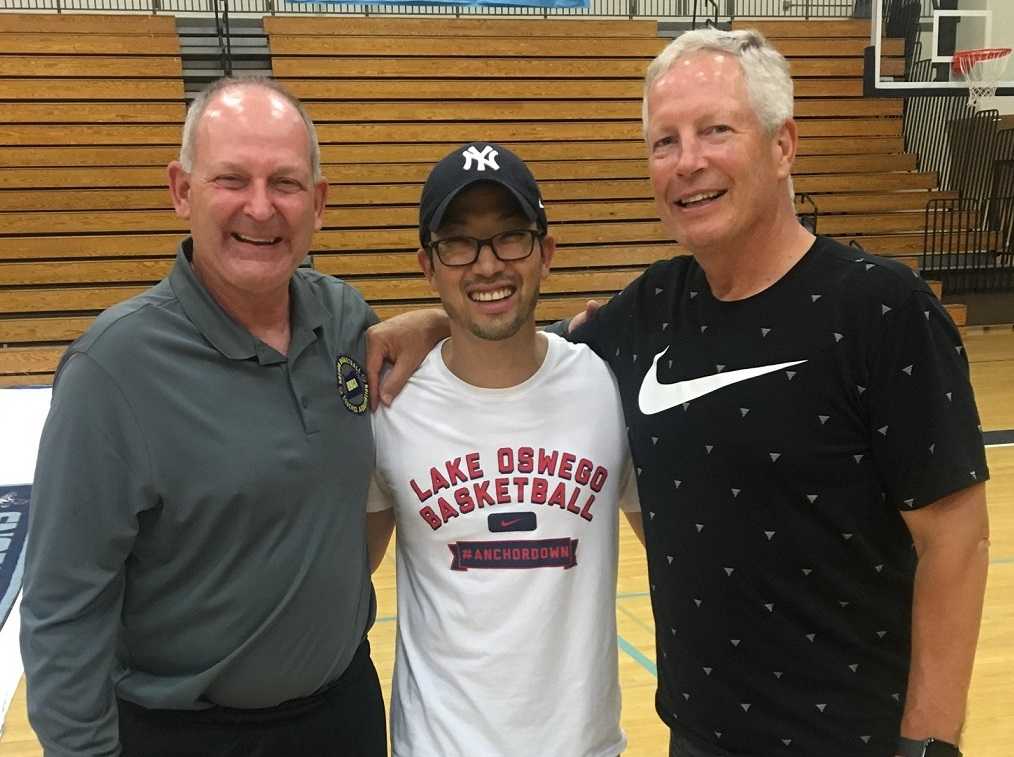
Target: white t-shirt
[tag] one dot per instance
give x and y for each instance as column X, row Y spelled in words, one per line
column 506, row 508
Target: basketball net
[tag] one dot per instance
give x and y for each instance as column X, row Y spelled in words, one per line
column 982, row 69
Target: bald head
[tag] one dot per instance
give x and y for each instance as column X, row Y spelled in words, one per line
column 229, row 98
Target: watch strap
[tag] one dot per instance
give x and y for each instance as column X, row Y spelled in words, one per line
column 926, row 748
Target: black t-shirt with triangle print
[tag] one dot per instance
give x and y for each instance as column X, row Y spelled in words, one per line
column 776, row 439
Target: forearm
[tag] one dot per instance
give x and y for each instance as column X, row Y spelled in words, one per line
column 404, row 341
column 436, row 325
column 947, row 608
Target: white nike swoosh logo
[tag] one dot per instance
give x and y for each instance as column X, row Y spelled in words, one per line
column 655, row 397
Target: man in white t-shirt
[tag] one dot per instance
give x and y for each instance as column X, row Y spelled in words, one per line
column 503, row 464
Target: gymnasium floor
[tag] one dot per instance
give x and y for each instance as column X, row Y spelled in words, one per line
column 990, row 728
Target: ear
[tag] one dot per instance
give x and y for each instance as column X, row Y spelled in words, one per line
column 426, row 264
column 179, row 188
column 548, row 250
column 785, row 146
column 319, row 203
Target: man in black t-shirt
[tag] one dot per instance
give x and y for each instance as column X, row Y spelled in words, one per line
column 801, row 416
column 809, row 462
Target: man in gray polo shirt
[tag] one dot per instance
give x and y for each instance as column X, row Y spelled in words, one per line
column 196, row 579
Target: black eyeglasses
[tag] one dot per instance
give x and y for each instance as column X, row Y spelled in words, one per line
column 516, row 244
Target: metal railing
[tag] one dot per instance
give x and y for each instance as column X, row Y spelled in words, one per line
column 224, row 34
column 808, row 217
column 792, row 8
column 952, row 139
column 598, row 8
column 718, row 10
column 707, row 10
column 967, row 244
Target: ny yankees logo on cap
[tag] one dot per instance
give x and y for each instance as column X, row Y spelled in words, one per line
column 477, row 161
column 483, row 160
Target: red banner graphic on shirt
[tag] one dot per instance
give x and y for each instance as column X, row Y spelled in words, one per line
column 543, row 553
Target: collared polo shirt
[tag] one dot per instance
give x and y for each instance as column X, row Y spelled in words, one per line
column 198, row 513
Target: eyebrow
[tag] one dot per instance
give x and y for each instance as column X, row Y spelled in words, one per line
column 228, row 167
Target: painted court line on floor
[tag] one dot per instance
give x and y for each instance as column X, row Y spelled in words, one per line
column 635, row 653
column 631, row 594
column 637, row 621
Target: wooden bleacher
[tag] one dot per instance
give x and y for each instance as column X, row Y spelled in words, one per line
column 86, row 221
column 390, row 98
column 94, row 112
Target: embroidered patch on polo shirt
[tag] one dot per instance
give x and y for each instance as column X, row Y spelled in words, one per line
column 352, row 386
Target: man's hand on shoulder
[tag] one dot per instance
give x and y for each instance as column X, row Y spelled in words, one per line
column 404, row 341
column 590, row 308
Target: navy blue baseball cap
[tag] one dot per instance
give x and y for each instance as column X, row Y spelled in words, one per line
column 472, row 163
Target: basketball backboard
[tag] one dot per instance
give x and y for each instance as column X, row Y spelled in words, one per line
column 966, row 25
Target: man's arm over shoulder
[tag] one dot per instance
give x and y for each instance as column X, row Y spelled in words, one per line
column 91, row 482
column 403, row 341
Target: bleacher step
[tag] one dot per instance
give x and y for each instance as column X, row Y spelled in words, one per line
column 386, row 113
column 201, row 52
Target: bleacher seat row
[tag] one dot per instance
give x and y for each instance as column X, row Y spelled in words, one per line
column 96, row 106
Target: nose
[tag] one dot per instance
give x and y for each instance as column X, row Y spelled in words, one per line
column 487, row 263
column 259, row 205
column 691, row 157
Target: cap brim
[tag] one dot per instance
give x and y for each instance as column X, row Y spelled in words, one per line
column 438, row 215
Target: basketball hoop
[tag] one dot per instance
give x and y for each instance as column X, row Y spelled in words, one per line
column 982, row 69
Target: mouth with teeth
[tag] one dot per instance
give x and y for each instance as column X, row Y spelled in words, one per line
column 494, row 301
column 491, row 295
column 260, row 242
column 699, row 199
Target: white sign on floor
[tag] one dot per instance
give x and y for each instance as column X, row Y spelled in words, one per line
column 22, row 413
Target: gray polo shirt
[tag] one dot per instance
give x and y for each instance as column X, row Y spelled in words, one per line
column 197, row 525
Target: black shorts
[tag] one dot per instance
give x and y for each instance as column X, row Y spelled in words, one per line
column 345, row 719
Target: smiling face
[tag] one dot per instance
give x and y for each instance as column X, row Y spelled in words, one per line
column 250, row 196
column 490, row 299
column 717, row 174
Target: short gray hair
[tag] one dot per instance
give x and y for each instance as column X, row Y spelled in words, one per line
column 188, row 148
column 765, row 70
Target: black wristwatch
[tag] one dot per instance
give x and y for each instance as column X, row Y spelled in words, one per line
column 926, row 748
